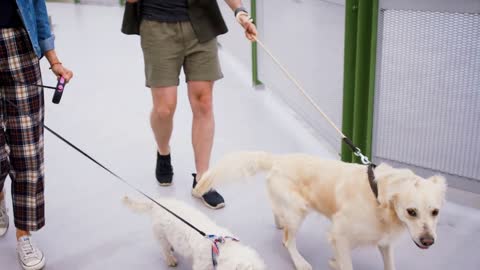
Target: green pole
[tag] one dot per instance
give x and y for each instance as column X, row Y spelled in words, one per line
column 359, row 78
column 372, row 77
column 253, row 14
column 349, row 73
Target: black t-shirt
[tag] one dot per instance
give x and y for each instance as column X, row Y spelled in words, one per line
column 165, row 10
column 8, row 14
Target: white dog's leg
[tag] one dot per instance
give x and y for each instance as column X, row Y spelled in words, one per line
column 167, row 249
column 278, row 221
column 341, row 247
column 289, row 238
column 387, row 255
column 333, row 264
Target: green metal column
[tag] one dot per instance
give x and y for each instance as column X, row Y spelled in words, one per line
column 359, row 74
column 253, row 14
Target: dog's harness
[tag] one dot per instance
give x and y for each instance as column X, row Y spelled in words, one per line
column 216, row 241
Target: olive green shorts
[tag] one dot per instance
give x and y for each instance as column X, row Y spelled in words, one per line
column 167, row 47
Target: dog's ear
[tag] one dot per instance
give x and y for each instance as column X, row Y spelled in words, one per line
column 441, row 184
column 387, row 199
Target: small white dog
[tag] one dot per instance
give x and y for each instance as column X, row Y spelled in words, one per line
column 341, row 191
column 174, row 235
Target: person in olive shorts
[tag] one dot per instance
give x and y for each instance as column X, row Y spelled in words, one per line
column 176, row 34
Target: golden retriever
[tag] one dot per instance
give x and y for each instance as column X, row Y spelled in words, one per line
column 299, row 183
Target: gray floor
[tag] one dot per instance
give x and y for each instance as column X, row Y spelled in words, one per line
column 105, row 111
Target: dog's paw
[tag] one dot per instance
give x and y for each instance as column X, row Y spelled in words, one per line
column 333, row 264
column 303, row 266
column 278, row 223
column 172, row 261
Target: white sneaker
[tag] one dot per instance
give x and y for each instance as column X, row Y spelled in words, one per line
column 30, row 257
column 4, row 221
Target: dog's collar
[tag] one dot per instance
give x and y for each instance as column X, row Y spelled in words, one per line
column 216, row 241
column 371, row 179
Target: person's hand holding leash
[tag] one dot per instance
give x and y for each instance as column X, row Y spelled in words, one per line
column 60, row 71
column 57, row 67
column 247, row 23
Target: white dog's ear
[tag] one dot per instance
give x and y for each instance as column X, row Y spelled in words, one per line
column 440, row 182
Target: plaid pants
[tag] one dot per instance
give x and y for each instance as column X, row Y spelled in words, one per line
column 21, row 137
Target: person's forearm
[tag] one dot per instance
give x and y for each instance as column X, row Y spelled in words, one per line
column 234, row 4
column 52, row 57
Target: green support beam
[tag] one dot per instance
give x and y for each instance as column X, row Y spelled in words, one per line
column 253, row 13
column 361, row 20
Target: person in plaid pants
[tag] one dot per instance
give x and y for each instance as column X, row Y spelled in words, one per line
column 25, row 37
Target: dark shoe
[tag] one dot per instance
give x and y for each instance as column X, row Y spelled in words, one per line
column 164, row 170
column 211, row 199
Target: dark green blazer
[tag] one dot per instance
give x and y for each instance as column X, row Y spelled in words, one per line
column 205, row 16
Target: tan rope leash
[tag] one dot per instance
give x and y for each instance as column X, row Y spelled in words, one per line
column 302, row 90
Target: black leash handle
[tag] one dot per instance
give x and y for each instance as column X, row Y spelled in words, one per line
column 111, row 172
column 57, row 96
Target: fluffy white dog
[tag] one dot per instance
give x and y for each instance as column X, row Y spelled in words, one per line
column 341, row 191
column 174, row 235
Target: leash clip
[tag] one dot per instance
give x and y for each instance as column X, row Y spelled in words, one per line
column 362, row 157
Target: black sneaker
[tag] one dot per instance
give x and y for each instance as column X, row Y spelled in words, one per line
column 164, row 170
column 211, row 199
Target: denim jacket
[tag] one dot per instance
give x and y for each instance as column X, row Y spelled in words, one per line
column 35, row 19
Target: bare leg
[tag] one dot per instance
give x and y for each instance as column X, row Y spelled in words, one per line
column 387, row 255
column 21, row 233
column 203, row 126
column 161, row 117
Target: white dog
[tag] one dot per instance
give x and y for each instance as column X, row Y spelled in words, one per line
column 341, row 191
column 174, row 235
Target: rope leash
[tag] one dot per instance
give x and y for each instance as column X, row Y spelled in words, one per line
column 356, row 151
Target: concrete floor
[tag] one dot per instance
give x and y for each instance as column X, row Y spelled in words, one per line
column 105, row 112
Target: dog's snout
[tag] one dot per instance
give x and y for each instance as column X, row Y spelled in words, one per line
column 427, row 240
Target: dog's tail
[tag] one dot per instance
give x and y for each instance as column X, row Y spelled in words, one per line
column 233, row 167
column 137, row 206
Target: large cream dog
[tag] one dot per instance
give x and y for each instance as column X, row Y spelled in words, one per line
column 298, row 183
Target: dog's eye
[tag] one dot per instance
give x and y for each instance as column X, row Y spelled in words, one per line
column 412, row 212
column 435, row 212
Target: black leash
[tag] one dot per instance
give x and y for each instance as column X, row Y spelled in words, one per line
column 108, row 170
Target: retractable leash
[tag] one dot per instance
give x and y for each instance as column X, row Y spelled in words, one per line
column 57, row 96
column 216, row 240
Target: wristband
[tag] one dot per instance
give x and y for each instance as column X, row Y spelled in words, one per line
column 243, row 13
column 240, row 9
column 56, row 63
